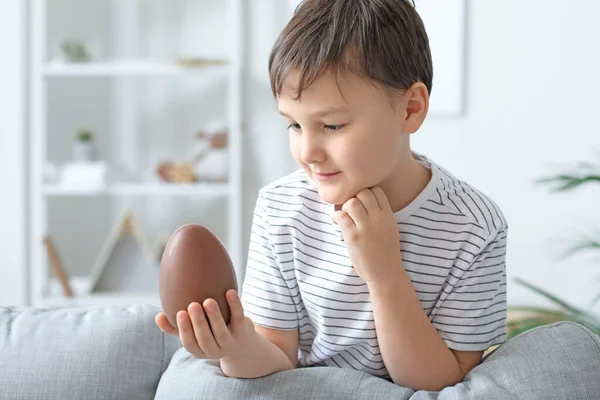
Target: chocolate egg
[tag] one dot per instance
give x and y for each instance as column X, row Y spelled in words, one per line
column 195, row 266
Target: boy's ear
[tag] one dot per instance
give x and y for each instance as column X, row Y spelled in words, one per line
column 416, row 105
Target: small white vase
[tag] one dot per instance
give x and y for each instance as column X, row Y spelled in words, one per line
column 84, row 151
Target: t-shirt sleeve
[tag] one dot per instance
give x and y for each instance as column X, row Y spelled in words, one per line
column 266, row 295
column 472, row 317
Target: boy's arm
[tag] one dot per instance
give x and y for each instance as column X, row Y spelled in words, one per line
column 415, row 349
column 271, row 351
column 267, row 301
column 413, row 352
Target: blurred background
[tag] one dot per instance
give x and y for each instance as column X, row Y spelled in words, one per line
column 122, row 120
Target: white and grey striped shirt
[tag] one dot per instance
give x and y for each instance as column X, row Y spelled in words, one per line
column 299, row 275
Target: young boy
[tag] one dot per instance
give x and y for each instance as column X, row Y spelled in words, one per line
column 370, row 256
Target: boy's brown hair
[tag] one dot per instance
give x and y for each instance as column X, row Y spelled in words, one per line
column 384, row 40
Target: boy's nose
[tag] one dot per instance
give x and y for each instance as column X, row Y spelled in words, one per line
column 312, row 150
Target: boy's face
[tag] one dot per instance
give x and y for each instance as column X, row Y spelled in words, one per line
column 347, row 135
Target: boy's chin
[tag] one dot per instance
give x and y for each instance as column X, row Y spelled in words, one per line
column 334, row 197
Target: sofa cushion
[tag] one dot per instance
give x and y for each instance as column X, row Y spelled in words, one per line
column 556, row 361
column 101, row 352
column 190, row 378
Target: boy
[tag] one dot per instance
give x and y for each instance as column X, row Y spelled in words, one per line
column 370, row 256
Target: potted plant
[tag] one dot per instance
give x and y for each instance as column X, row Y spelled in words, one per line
column 584, row 173
column 74, row 51
column 84, row 148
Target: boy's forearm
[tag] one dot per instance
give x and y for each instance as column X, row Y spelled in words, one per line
column 263, row 358
column 413, row 352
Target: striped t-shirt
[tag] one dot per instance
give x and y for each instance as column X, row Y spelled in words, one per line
column 299, row 275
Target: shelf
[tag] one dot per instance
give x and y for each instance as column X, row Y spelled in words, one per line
column 102, row 298
column 130, row 67
column 122, row 109
column 143, row 189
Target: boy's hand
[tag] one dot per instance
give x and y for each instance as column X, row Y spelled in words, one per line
column 223, row 341
column 371, row 234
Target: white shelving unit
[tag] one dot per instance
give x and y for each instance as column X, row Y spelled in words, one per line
column 130, row 68
column 80, row 286
column 144, row 189
column 125, row 17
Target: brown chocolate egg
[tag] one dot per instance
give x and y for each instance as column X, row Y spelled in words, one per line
column 195, row 266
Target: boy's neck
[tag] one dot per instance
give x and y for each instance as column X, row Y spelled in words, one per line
column 406, row 183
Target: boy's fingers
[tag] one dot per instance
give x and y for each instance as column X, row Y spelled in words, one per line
column 217, row 324
column 235, row 307
column 343, row 220
column 382, row 199
column 204, row 336
column 367, row 198
column 186, row 334
column 356, row 210
column 163, row 323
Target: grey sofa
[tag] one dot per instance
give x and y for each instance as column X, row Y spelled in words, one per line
column 116, row 352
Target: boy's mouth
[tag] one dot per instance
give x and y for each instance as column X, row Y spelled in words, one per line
column 325, row 176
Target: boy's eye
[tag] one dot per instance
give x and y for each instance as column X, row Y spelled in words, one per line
column 333, row 128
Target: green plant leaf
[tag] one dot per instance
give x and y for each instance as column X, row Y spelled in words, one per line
column 584, row 244
column 580, row 174
column 85, row 135
column 524, row 323
column 521, row 325
column 586, row 165
column 571, row 313
column 550, row 297
column 536, row 310
column 533, row 321
column 566, row 182
column 596, row 299
column 583, row 172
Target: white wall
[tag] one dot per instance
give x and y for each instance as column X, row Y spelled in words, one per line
column 267, row 135
column 13, row 172
column 531, row 103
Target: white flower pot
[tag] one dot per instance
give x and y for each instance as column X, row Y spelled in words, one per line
column 84, row 151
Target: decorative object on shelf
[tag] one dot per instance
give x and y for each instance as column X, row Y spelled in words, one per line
column 176, row 172
column 208, row 161
column 124, row 243
column 189, row 62
column 160, row 246
column 84, row 148
column 84, row 175
column 74, row 51
column 57, row 266
column 127, row 266
column 210, row 153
